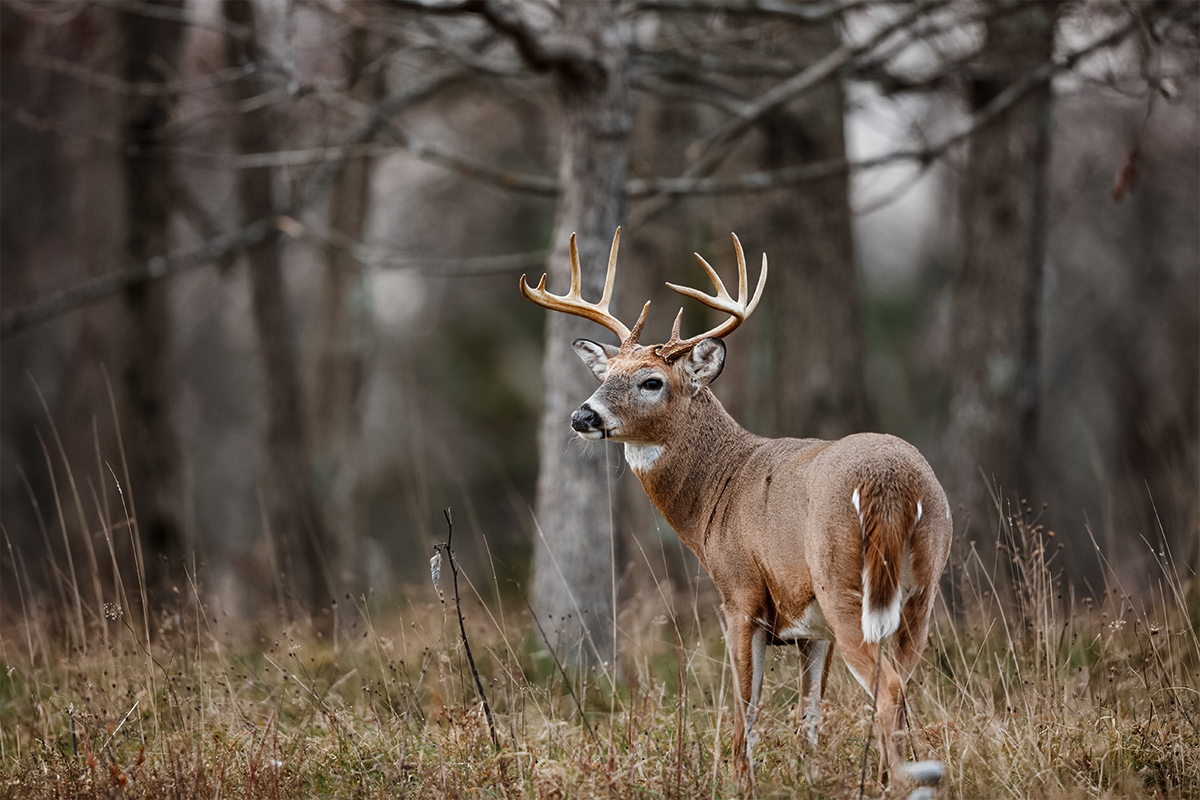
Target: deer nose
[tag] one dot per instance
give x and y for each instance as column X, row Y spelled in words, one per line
column 585, row 419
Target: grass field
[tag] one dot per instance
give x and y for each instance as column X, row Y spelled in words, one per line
column 1032, row 691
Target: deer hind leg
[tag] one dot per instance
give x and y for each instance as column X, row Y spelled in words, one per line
column 907, row 645
column 815, row 655
column 886, row 688
column 910, row 638
column 747, row 643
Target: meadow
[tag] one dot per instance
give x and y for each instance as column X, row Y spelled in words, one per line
column 1028, row 688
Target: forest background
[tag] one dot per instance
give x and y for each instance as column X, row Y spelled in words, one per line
column 260, row 314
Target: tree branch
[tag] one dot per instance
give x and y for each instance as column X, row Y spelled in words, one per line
column 367, row 257
column 111, row 83
column 64, row 300
column 764, row 181
column 713, row 144
column 803, row 12
column 541, row 53
column 14, row 320
column 472, row 167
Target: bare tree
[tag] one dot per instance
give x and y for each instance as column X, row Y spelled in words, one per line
column 152, row 57
column 342, row 361
column 820, row 389
column 813, row 331
column 126, row 344
column 292, row 517
column 991, row 433
column 573, row 567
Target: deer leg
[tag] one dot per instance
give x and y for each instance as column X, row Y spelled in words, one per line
column 907, row 645
column 747, row 643
column 863, row 658
column 909, row 641
column 814, row 667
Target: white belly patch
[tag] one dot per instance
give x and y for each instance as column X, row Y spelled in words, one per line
column 810, row 626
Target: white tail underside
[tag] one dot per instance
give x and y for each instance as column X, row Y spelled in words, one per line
column 879, row 623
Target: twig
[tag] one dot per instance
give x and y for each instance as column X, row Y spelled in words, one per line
column 74, row 744
column 679, row 717
column 120, row 725
column 94, row 78
column 487, row 709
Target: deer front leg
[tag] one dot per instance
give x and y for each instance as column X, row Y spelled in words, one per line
column 747, row 642
column 814, row 666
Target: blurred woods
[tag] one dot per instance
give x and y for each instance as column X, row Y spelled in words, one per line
column 261, row 321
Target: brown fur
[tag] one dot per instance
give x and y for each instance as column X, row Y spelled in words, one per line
column 889, row 508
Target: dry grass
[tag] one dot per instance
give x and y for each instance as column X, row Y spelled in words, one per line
column 1024, row 693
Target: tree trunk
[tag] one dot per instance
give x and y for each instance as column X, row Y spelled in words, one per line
column 991, row 433
column 572, row 592
column 153, row 51
column 817, row 383
column 347, row 337
column 295, row 526
column 656, row 563
column 126, row 219
column 798, row 369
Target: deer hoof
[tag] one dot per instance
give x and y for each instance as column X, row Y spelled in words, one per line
column 925, row 773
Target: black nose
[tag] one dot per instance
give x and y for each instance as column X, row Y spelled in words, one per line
column 585, row 419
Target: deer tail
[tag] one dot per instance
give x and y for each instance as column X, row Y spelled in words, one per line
column 888, row 513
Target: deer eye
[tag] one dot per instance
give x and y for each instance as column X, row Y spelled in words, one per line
column 652, row 384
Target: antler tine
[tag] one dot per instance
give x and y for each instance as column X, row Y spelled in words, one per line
column 737, row 310
column 741, row 259
column 635, row 334
column 722, row 301
column 610, row 277
column 576, row 272
column 675, row 327
column 572, row 303
column 758, row 290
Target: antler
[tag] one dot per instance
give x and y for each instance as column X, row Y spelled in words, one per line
column 738, row 311
column 572, row 303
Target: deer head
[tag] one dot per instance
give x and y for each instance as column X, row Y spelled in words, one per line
column 641, row 385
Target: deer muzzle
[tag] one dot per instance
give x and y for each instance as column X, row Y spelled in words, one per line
column 587, row 422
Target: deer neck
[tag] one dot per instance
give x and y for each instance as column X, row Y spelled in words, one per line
column 685, row 475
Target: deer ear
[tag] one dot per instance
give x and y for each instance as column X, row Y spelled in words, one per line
column 595, row 355
column 704, row 363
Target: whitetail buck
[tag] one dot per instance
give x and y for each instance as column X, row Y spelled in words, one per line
column 807, row 540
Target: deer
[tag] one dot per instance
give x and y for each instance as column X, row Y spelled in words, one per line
column 807, row 541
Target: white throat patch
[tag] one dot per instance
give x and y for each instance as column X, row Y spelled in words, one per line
column 641, row 457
